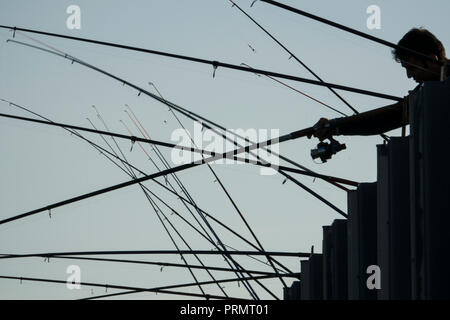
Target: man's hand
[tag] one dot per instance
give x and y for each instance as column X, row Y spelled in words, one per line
column 322, row 129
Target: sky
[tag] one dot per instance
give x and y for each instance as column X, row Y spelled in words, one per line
column 41, row 165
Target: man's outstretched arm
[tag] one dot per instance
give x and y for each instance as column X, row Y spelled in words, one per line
column 367, row 123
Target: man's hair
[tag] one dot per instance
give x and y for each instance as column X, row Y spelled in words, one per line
column 420, row 40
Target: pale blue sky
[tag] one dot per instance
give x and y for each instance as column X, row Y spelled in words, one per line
column 41, row 165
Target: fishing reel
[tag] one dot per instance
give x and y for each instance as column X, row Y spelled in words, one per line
column 326, row 150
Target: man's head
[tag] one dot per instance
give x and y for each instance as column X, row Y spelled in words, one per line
column 418, row 68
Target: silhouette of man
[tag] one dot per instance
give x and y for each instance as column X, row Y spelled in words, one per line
column 395, row 115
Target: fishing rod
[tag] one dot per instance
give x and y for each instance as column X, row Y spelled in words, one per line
column 303, row 172
column 224, row 189
column 157, row 210
column 290, row 136
column 239, row 269
column 292, row 275
column 153, row 204
column 334, row 182
column 135, row 290
column 223, row 225
column 114, row 140
column 296, row 59
column 154, row 263
column 161, row 157
column 292, row 55
column 209, row 216
column 133, row 139
column 168, row 182
column 254, row 293
column 248, row 286
column 158, row 252
column 182, row 238
column 354, row 31
column 192, row 116
column 166, row 164
column 213, row 63
column 237, row 265
column 194, row 276
column 226, row 227
column 228, row 196
column 324, row 150
column 187, row 113
column 133, row 175
column 103, row 152
column 121, row 287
